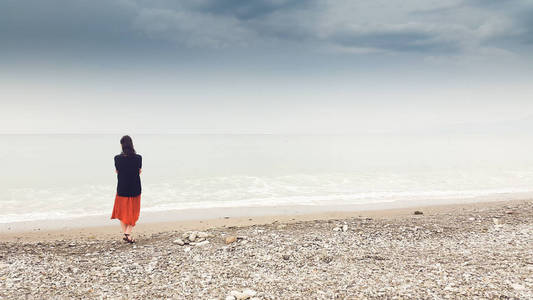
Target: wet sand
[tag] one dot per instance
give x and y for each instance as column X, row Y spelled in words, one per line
column 202, row 219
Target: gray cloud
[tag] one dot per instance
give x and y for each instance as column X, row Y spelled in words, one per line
column 192, row 29
column 525, row 22
column 58, row 20
column 223, row 24
column 416, row 26
column 422, row 27
column 396, row 41
column 248, row 10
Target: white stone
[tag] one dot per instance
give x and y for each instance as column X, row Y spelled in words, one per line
column 337, row 229
column 192, row 237
column 238, row 295
column 179, row 242
column 518, row 287
column 202, row 234
column 203, row 243
column 344, row 228
column 249, row 293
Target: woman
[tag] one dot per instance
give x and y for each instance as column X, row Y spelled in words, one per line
column 128, row 166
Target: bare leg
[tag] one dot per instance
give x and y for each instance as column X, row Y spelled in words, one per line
column 124, row 226
column 129, row 228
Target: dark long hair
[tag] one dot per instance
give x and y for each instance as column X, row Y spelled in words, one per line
column 127, row 145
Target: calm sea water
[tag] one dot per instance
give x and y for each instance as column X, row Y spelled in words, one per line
column 64, row 176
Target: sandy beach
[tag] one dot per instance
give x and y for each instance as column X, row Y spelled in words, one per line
column 476, row 250
column 266, row 149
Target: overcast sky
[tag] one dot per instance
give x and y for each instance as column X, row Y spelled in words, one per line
column 279, row 66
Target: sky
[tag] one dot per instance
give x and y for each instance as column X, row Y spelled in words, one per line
column 279, row 66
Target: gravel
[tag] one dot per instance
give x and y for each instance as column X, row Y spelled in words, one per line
column 471, row 253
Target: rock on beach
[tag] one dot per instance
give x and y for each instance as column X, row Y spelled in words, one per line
column 230, row 239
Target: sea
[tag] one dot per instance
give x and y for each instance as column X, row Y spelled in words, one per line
column 65, row 176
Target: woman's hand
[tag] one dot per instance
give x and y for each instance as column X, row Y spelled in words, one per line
column 140, row 171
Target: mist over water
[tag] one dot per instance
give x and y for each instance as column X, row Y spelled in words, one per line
column 63, row 176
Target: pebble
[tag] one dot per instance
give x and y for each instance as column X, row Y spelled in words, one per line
column 203, row 243
column 436, row 257
column 230, row 239
column 179, row 242
column 237, row 295
column 517, row 286
column 248, row 293
column 245, row 294
column 202, row 235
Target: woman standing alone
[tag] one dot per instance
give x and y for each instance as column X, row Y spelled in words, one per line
column 128, row 166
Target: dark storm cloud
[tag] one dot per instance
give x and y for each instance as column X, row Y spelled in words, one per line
column 415, row 26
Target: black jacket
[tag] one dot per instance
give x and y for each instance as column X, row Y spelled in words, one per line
column 129, row 181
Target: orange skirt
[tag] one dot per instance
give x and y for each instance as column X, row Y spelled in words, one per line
column 126, row 209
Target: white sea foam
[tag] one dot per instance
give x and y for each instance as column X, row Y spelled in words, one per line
column 57, row 181
column 239, row 191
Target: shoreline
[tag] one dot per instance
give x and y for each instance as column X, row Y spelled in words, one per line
column 204, row 219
